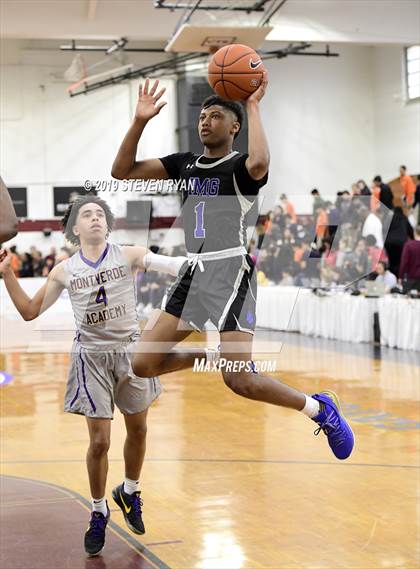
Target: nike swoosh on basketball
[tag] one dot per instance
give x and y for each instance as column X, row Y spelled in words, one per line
column 127, row 510
column 254, row 64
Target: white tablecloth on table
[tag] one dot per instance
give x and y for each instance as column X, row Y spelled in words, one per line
column 339, row 316
column 399, row 319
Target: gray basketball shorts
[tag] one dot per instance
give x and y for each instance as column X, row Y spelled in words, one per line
column 224, row 292
column 101, row 378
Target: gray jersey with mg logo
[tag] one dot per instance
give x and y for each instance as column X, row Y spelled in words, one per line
column 102, row 295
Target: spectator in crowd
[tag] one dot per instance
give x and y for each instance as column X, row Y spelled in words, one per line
column 374, row 252
column 15, row 261
column 328, row 257
column 287, row 279
column 50, row 258
column 364, row 190
column 150, row 290
column 386, row 197
column 26, row 268
column 399, row 231
column 288, row 208
column 48, row 265
column 334, row 220
column 410, row 262
column 301, row 277
column 37, row 262
column 417, row 199
column 344, row 253
column 347, row 213
column 360, row 260
column 372, row 225
column 277, row 258
column 407, row 186
column 330, row 276
column 383, row 275
column 321, row 229
column 318, row 202
column 300, row 251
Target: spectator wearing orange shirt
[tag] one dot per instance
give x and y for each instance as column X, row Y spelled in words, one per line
column 407, row 185
column 321, row 228
column 15, row 261
column 383, row 192
column 288, row 207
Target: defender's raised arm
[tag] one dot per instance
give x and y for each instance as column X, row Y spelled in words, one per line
column 30, row 308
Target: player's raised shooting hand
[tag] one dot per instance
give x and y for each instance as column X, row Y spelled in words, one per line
column 5, row 259
column 260, row 92
column 147, row 106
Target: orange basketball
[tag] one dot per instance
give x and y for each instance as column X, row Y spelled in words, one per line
column 235, row 71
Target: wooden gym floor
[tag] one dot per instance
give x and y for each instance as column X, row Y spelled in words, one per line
column 227, row 483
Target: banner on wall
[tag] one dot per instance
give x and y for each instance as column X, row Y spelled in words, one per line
column 64, row 195
column 20, row 201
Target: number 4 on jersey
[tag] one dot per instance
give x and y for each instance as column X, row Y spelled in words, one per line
column 101, row 296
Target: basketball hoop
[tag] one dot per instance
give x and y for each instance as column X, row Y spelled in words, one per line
column 209, row 39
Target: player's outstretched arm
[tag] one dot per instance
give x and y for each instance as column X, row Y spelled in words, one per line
column 30, row 308
column 258, row 160
column 125, row 166
column 143, row 258
column 8, row 219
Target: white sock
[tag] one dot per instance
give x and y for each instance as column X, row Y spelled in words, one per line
column 312, row 407
column 212, row 354
column 99, row 506
column 131, row 486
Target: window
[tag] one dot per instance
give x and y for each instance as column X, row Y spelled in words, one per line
column 412, row 65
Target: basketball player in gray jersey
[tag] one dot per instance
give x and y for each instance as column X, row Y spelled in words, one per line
column 100, row 284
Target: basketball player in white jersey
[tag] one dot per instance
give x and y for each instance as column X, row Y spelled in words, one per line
column 218, row 188
column 100, row 284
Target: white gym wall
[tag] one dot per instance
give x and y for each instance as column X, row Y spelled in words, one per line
column 329, row 122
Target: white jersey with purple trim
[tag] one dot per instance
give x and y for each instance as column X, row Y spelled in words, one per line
column 102, row 295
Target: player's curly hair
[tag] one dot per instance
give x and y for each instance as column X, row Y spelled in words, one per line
column 70, row 216
column 233, row 106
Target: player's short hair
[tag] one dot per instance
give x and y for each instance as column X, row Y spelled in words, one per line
column 377, row 179
column 70, row 216
column 233, row 106
column 404, row 167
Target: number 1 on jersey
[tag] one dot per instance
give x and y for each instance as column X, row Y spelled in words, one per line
column 199, row 230
column 101, row 296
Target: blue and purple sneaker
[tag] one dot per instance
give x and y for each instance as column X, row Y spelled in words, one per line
column 95, row 534
column 332, row 422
